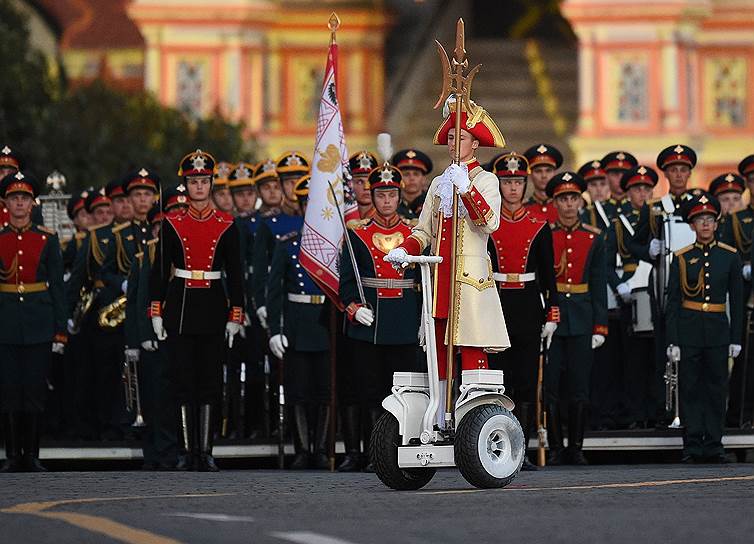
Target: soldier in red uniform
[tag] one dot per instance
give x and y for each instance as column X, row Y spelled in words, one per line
column 9, row 164
column 544, row 160
column 522, row 261
column 361, row 164
column 384, row 329
column 32, row 321
column 581, row 272
column 192, row 307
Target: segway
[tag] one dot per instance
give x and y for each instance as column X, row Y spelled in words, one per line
column 485, row 442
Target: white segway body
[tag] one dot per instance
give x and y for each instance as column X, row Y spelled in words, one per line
column 486, row 442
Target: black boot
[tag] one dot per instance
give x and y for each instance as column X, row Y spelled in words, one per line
column 12, row 434
column 321, row 460
column 554, row 435
column 206, row 461
column 352, row 438
column 526, row 416
column 186, row 438
column 300, row 438
column 373, row 413
column 31, row 444
column 577, row 414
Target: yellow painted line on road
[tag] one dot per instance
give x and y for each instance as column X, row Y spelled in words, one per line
column 621, row 485
column 102, row 525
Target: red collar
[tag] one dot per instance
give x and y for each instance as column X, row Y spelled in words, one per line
column 201, row 215
column 513, row 216
column 386, row 222
column 473, row 163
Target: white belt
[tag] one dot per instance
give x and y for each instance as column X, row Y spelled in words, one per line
column 306, row 299
column 388, row 283
column 514, row 278
column 198, row 274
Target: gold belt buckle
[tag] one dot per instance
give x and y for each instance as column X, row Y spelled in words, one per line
column 705, row 307
column 21, row 288
column 318, row 299
column 197, row 274
column 511, row 277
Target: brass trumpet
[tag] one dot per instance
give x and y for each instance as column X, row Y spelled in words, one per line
column 131, row 388
column 84, row 304
column 112, row 315
column 672, row 400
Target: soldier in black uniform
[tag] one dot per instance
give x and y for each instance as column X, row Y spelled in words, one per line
column 33, row 320
column 295, row 305
column 522, row 261
column 193, row 309
column 699, row 334
column 415, row 167
column 222, row 198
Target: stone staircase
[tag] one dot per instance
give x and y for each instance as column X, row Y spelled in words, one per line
column 505, row 87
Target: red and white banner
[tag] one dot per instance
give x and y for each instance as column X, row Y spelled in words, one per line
column 322, row 234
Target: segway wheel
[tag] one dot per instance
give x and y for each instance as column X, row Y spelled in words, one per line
column 489, row 447
column 383, row 451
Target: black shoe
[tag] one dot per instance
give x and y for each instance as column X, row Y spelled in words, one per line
column 321, row 461
column 31, row 444
column 719, row 459
column 12, row 434
column 186, row 438
column 689, row 459
column 32, row 464
column 184, row 463
column 206, row 461
column 577, row 417
column 351, row 439
column 556, row 457
column 149, row 466
column 577, row 457
column 528, row 466
column 300, row 438
column 300, row 461
column 554, row 435
column 351, row 463
column 207, row 464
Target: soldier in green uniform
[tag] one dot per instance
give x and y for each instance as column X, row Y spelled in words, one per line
column 33, row 320
column 640, row 395
column 580, row 270
column 295, row 305
column 617, row 163
column 599, row 191
column 81, row 220
column 415, row 167
column 699, row 334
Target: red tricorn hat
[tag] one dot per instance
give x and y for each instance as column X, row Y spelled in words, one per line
column 479, row 124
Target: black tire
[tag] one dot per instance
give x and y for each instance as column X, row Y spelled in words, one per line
column 383, row 452
column 485, row 420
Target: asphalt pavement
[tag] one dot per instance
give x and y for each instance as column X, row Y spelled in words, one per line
column 614, row 504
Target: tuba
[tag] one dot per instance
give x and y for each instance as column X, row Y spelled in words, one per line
column 112, row 315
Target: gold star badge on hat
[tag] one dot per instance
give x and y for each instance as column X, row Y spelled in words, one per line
column 513, row 164
column 620, row 156
column 678, row 148
column 542, row 149
column 143, row 172
column 596, row 164
column 704, row 199
column 642, row 170
column 6, row 150
column 567, row 177
column 729, row 178
column 411, row 153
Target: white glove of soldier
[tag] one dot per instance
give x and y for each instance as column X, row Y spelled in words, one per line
column 159, row 328
column 397, row 257
column 734, row 350
column 597, row 340
column 459, row 175
column 149, row 345
column 547, row 331
column 746, row 272
column 365, row 316
column 278, row 343
column 262, row 316
column 624, row 291
column 673, row 353
column 70, row 327
column 124, row 286
column 58, row 347
column 655, row 246
column 246, row 323
column 132, row 355
column 231, row 329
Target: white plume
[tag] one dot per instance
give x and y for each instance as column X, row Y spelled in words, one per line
column 385, row 146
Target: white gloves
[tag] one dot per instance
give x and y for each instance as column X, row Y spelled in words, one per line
column 674, row 353
column 149, row 345
column 459, row 175
column 655, row 246
column 124, row 286
column 70, row 327
column 365, row 316
column 547, row 331
column 746, row 272
column 624, row 291
column 132, row 355
column 231, row 329
column 734, row 350
column 159, row 328
column 278, row 343
column 59, row 348
column 397, row 257
column 597, row 340
column 262, row 316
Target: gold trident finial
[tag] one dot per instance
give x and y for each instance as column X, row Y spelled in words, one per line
column 453, row 79
column 333, row 24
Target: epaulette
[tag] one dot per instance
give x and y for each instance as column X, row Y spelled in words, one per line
column 726, row 246
column 80, row 235
column 356, row 223
column 611, row 200
column 289, row 236
column 409, row 222
column 152, row 242
column 684, row 250
column 48, row 230
column 120, row 227
column 139, row 255
column 591, row 229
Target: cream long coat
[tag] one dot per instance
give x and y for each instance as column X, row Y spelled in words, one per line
column 480, row 320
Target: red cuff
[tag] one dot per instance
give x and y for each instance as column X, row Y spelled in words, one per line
column 479, row 211
column 236, row 315
column 155, row 309
column 554, row 314
column 412, row 246
column 351, row 310
column 600, row 329
column 60, row 337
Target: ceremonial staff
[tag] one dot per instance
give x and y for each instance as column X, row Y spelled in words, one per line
column 459, row 86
